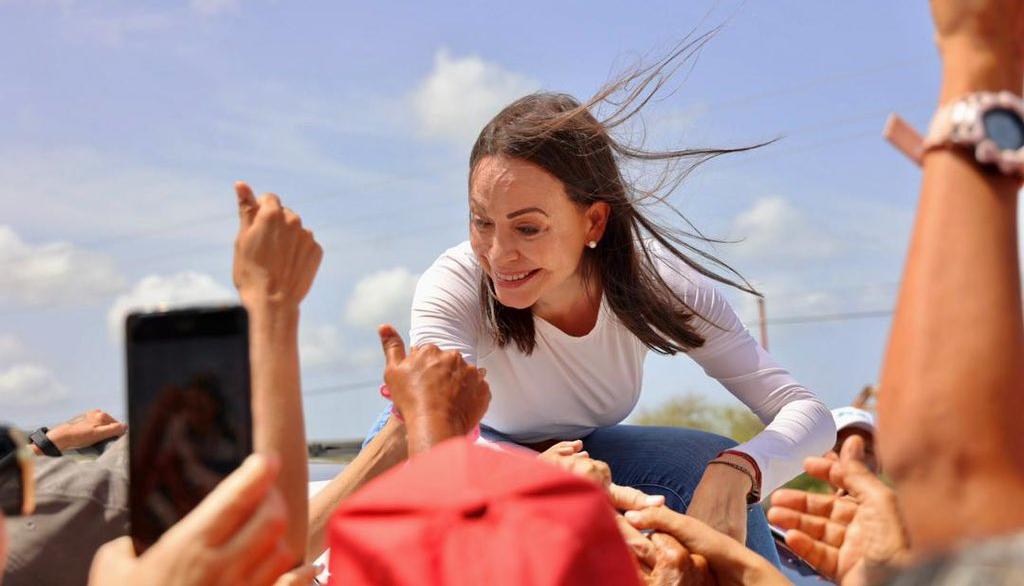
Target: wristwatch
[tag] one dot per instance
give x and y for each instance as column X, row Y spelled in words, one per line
column 991, row 124
column 40, row 439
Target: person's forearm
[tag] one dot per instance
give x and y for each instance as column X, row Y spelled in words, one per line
column 953, row 366
column 386, row 450
column 278, row 424
column 426, row 432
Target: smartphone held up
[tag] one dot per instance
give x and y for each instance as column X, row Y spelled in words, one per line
column 188, row 410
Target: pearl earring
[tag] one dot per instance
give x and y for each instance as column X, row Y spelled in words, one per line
column 592, row 244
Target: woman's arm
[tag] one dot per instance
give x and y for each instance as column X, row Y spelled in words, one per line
column 798, row 424
column 953, row 376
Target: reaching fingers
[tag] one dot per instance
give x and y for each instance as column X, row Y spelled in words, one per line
column 233, row 502
column 111, row 429
column 819, row 528
column 641, row 547
column 819, row 467
column 269, row 203
column 672, row 557
column 595, row 470
column 566, row 448
column 804, row 502
column 394, row 347
column 247, row 206
column 627, row 498
column 291, row 218
column 822, row 556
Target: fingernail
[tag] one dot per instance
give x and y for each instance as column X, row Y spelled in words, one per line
column 654, row 500
column 584, row 454
column 632, row 516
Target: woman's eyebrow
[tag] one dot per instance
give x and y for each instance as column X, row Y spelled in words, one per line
column 525, row 211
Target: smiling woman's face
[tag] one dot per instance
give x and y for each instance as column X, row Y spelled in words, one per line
column 526, row 233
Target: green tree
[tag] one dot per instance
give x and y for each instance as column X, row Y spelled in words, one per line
column 697, row 412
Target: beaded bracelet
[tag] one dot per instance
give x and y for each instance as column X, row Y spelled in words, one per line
column 755, row 491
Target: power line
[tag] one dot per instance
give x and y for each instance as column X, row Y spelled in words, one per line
column 826, row 317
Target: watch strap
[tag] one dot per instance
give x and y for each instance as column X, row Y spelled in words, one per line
column 43, row 442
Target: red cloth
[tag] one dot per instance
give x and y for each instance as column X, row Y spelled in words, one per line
column 462, row 514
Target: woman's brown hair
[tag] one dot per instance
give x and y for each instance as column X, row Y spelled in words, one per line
column 562, row 136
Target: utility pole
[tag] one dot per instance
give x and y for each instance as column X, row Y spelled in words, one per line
column 763, row 313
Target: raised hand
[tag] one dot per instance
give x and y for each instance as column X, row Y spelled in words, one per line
column 276, row 258
column 438, row 394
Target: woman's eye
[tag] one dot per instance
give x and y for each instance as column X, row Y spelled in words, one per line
column 480, row 223
column 528, row 230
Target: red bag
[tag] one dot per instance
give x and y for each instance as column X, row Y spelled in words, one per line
column 468, row 515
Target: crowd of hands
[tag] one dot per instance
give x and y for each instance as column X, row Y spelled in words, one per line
column 239, row 533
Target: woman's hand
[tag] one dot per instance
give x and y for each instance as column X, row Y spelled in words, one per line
column 85, row 430
column 720, row 501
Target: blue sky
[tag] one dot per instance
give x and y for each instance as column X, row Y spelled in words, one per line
column 127, row 122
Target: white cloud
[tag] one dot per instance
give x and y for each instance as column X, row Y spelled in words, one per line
column 99, row 194
column 774, row 231
column 29, row 385
column 382, row 297
column 159, row 291
column 52, row 273
column 462, row 93
column 11, row 349
column 214, row 7
column 320, row 345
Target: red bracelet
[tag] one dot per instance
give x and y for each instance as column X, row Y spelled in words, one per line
column 750, row 460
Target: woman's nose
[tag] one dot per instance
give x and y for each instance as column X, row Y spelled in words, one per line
column 502, row 250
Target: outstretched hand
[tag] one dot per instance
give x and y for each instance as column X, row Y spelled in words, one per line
column 845, row 538
column 435, row 391
column 276, row 258
column 86, row 429
column 236, row 535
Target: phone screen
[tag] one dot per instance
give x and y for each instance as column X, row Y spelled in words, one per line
column 189, row 411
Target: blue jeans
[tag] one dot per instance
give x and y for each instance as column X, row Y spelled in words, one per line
column 657, row 460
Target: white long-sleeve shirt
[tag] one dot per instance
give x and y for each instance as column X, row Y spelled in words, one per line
column 571, row 385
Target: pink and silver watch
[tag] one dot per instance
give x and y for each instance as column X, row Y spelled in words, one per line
column 989, row 123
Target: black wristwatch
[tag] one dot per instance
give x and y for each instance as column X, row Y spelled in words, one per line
column 39, row 438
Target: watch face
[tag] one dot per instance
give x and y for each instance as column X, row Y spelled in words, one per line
column 1005, row 128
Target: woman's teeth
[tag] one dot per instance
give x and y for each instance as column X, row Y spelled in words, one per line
column 513, row 276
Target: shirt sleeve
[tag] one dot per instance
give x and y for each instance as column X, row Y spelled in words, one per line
column 798, row 424
column 446, row 305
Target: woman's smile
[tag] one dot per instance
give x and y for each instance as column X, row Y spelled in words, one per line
column 513, row 280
